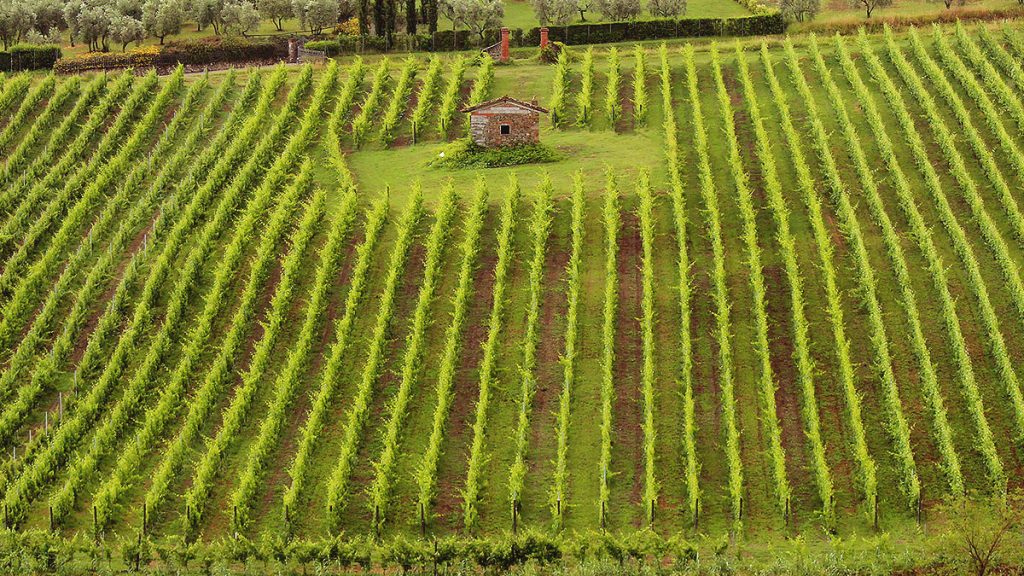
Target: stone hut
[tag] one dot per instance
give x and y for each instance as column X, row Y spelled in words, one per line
column 504, row 121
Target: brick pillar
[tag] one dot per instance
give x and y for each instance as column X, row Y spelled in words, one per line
column 504, row 44
column 543, row 37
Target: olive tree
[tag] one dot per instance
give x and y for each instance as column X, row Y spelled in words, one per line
column 870, row 5
column 276, row 11
column 91, row 22
column 240, row 16
column 16, row 19
column 48, row 16
column 206, row 13
column 315, row 15
column 477, row 15
column 161, row 18
column 618, row 9
column 557, row 12
column 799, row 10
column 124, row 30
column 667, row 8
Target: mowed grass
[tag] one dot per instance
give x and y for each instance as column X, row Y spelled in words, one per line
column 625, row 151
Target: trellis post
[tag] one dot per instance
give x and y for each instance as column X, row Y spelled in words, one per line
column 876, row 511
column 423, row 521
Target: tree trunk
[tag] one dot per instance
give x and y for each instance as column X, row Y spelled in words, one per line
column 410, row 16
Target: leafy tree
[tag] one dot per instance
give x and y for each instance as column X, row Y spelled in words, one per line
column 449, row 9
column 477, row 15
column 36, row 37
column 240, row 16
column 276, row 11
column 364, row 16
column 584, row 6
column 16, row 19
column 384, row 17
column 90, row 21
column 162, row 17
column 430, row 11
column 49, row 16
column 799, row 10
column 124, row 30
column 70, row 13
column 620, row 9
column 132, row 8
column 870, row 5
column 315, row 15
column 667, row 8
column 557, row 12
column 207, row 13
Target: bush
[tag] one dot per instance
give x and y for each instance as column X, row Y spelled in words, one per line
column 445, row 40
column 608, row 32
column 144, row 57
column 465, row 153
column 349, row 27
column 29, row 57
column 220, row 49
column 207, row 51
column 329, row 47
column 552, row 51
column 353, row 44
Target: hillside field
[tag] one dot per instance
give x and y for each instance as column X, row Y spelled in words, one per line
column 767, row 289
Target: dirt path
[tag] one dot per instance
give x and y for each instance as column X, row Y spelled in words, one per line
column 448, row 506
column 358, row 516
column 628, row 438
column 277, row 480
column 542, row 449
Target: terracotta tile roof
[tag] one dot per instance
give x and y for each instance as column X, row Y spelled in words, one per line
column 505, row 100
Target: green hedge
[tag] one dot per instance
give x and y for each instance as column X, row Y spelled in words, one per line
column 29, row 57
column 607, row 32
column 144, row 57
column 220, row 49
column 755, row 25
column 584, row 33
column 202, row 52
